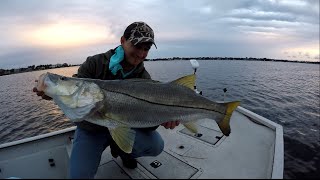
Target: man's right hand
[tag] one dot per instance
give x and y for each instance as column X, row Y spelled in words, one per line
column 41, row 93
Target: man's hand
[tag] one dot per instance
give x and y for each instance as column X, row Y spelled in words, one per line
column 41, row 93
column 170, row 124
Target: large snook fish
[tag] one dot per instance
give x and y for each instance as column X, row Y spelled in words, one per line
column 133, row 103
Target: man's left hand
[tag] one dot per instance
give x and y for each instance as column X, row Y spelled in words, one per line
column 170, row 124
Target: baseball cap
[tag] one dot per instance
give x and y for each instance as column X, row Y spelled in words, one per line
column 139, row 32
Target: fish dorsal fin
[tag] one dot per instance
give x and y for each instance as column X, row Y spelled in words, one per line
column 124, row 138
column 191, row 126
column 187, row 81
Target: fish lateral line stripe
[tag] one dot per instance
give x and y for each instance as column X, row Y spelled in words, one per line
column 164, row 104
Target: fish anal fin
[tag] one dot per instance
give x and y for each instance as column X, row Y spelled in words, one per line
column 191, row 126
column 187, row 81
column 124, row 138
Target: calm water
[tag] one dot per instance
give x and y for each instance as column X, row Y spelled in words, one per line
column 286, row 93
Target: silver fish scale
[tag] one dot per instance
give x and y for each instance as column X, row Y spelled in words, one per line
column 162, row 93
column 137, row 113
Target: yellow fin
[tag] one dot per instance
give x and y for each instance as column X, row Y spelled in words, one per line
column 124, row 138
column 191, row 126
column 224, row 125
column 187, row 81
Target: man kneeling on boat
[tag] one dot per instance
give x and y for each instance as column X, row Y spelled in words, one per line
column 123, row 62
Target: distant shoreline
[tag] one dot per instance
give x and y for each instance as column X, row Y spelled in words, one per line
column 232, row 59
column 4, row 72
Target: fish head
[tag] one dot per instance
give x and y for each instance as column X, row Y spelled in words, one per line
column 75, row 96
column 57, row 85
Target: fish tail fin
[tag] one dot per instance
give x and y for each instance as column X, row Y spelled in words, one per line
column 224, row 125
column 124, row 138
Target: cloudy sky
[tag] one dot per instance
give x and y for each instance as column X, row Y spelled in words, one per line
column 37, row 32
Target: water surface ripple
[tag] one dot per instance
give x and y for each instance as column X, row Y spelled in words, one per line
column 286, row 93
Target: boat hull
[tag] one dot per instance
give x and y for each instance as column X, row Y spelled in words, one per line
column 254, row 149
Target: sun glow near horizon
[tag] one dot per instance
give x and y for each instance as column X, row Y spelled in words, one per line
column 64, row 34
column 310, row 53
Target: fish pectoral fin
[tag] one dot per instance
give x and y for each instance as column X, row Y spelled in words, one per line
column 191, row 126
column 187, row 81
column 224, row 125
column 114, row 117
column 124, row 138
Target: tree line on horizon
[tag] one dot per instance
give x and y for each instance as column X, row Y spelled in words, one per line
column 52, row 66
column 33, row 68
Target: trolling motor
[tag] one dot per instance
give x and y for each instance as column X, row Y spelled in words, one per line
column 195, row 65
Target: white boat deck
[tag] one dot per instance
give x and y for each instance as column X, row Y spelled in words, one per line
column 254, row 149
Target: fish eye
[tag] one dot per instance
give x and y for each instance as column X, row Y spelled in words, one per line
column 62, row 78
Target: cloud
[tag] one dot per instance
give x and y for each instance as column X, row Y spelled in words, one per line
column 284, row 18
column 264, row 28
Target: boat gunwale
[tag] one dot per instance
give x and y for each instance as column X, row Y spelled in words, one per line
column 38, row 137
column 278, row 158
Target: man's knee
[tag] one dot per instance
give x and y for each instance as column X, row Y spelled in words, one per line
column 148, row 144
